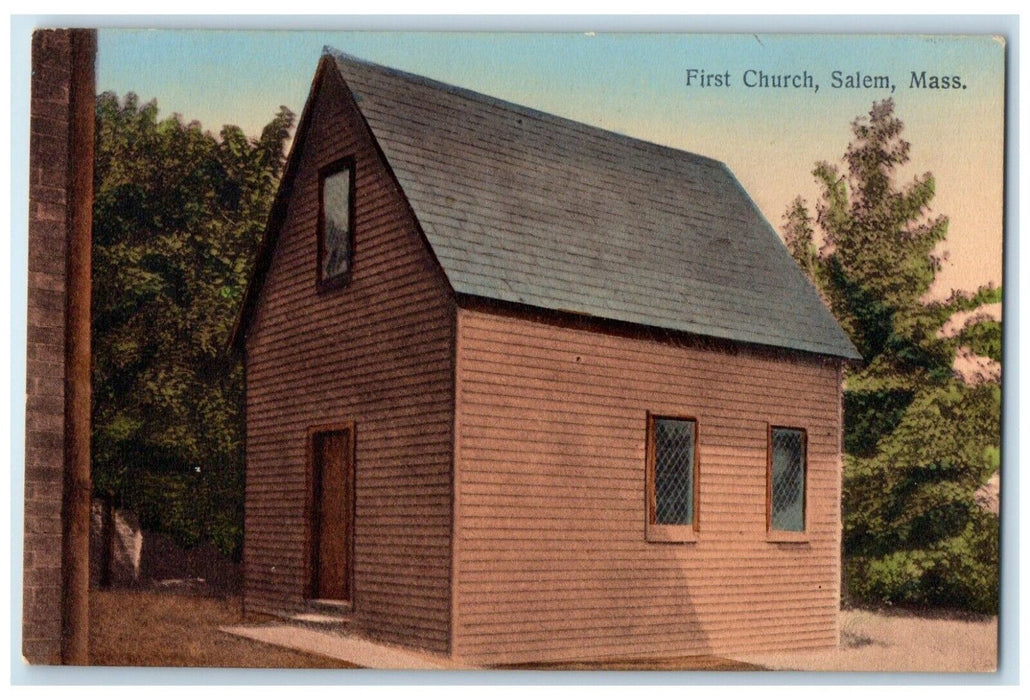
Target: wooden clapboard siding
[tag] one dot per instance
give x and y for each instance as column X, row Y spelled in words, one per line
column 377, row 352
column 550, row 556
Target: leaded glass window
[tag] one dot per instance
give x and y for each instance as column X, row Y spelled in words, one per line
column 674, row 460
column 335, row 233
column 787, row 479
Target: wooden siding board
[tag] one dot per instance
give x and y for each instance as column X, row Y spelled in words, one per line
column 534, row 576
column 596, row 620
column 550, row 555
column 377, row 352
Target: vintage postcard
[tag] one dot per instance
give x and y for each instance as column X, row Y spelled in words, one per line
column 486, row 351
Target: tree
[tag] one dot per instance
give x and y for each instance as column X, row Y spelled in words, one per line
column 178, row 214
column 918, row 440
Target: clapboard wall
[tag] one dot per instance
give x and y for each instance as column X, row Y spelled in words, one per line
column 551, row 560
column 378, row 352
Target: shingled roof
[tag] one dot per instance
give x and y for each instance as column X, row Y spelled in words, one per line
column 526, row 207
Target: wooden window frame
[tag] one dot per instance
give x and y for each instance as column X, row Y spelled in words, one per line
column 657, row 532
column 310, row 506
column 326, row 171
column 772, row 534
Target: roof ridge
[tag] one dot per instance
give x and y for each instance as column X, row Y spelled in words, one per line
column 473, row 95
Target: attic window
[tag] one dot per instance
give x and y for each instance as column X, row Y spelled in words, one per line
column 335, row 224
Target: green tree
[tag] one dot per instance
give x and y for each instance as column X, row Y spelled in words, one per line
column 178, row 214
column 918, row 440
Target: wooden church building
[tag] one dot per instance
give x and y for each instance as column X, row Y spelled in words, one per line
column 522, row 389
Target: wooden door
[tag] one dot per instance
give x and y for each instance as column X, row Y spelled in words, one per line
column 332, row 514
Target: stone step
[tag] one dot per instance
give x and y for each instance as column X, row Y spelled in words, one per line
column 329, row 607
column 324, row 613
column 317, row 619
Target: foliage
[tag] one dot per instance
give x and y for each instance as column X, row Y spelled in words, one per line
column 918, row 440
column 982, row 335
column 177, row 216
column 961, row 572
column 913, row 532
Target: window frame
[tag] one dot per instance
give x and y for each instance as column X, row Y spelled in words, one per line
column 658, row 532
column 334, row 168
column 772, row 534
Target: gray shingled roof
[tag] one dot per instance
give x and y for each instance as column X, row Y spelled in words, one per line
column 527, row 207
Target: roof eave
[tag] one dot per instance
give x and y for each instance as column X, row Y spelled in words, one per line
column 847, row 356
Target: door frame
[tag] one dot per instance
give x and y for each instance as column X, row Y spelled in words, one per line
column 311, row 556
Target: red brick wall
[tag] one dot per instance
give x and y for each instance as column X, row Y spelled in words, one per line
column 44, row 428
column 50, row 219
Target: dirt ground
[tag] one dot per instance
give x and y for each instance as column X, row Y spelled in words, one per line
column 146, row 628
column 897, row 641
column 675, row 663
column 151, row 628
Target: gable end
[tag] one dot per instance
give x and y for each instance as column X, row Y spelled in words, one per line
column 327, row 70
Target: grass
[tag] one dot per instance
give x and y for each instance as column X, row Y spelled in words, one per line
column 143, row 628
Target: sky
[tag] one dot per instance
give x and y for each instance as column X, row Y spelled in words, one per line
column 650, row 86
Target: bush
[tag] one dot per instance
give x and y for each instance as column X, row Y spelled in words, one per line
column 960, row 572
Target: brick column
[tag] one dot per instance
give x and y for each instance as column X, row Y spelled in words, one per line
column 60, row 203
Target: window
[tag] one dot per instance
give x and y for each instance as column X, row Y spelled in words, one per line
column 335, row 224
column 786, row 479
column 672, row 479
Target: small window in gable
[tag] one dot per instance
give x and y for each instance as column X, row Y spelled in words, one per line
column 786, row 479
column 335, row 224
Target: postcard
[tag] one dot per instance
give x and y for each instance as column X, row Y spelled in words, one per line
column 490, row 350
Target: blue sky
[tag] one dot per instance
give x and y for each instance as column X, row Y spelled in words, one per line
column 635, row 84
